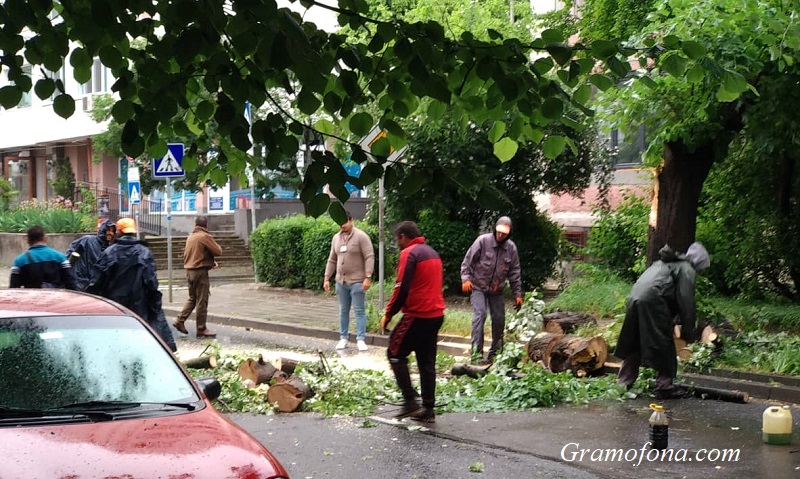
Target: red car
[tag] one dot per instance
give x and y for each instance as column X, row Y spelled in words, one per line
column 87, row 390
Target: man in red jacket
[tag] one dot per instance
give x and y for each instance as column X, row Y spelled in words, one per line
column 418, row 294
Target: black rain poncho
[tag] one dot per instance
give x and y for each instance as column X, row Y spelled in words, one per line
column 89, row 247
column 665, row 290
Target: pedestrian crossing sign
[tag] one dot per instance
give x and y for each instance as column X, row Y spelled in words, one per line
column 134, row 192
column 170, row 166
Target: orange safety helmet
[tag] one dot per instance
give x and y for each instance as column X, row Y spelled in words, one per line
column 126, row 226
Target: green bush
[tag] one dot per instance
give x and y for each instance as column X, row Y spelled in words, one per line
column 619, row 238
column 316, row 248
column 451, row 239
column 53, row 216
column 278, row 252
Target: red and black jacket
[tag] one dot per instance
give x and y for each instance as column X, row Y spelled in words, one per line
column 418, row 291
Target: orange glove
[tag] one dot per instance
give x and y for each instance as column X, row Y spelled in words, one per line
column 519, row 304
column 466, row 286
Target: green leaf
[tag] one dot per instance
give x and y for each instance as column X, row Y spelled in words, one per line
column 553, row 108
column 497, row 131
column 648, row 82
column 696, row 73
column 204, row 110
column 734, row 82
column 64, row 105
column 157, row 149
column 675, row 65
column 189, row 162
column 553, row 146
column 724, row 95
column 505, row 149
column 337, row 213
column 326, row 127
column 602, row 82
column 308, row 102
column 361, row 123
column 618, row 67
column 561, row 53
column 122, row 111
column 436, row 110
column 693, row 49
column 319, row 205
column 10, row 96
column 603, row 49
column 218, row 176
column 552, row 35
column 583, row 94
column 45, row 88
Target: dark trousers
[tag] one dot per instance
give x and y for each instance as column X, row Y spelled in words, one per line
column 417, row 335
column 495, row 306
column 199, row 286
column 629, row 371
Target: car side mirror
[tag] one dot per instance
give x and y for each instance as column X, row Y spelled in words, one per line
column 210, row 387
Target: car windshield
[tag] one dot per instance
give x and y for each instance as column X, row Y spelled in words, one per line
column 51, row 362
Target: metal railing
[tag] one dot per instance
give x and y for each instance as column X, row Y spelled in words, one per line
column 113, row 204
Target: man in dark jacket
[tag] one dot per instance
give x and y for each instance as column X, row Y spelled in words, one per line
column 418, row 294
column 665, row 290
column 88, row 249
column 41, row 266
column 492, row 260
column 198, row 258
column 126, row 273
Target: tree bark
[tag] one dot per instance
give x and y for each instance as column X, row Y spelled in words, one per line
column 560, row 353
column 289, row 393
column 259, row 372
column 680, row 182
column 202, row 362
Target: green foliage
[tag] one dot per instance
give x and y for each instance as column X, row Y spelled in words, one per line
column 316, row 249
column 613, row 18
column 64, row 184
column 53, row 216
column 596, row 291
column 618, row 239
column 7, row 194
column 275, row 249
column 451, row 239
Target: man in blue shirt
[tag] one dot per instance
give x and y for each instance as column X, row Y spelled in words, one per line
column 41, row 266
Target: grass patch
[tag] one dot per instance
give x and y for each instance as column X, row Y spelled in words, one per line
column 597, row 292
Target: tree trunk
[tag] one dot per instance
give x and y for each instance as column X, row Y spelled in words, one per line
column 289, row 393
column 565, row 322
column 286, row 365
column 680, row 182
column 202, row 362
column 259, row 372
column 568, row 353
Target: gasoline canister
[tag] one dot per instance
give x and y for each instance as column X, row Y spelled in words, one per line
column 777, row 425
column 659, row 428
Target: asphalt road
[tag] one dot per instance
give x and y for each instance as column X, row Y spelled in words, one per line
column 311, row 447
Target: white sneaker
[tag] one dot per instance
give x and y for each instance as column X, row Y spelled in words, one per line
column 341, row 344
column 362, row 346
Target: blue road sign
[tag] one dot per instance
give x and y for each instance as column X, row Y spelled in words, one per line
column 134, row 192
column 171, row 165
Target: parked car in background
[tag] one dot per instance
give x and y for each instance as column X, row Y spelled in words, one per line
column 88, row 390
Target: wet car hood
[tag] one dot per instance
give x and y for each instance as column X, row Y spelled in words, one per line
column 193, row 445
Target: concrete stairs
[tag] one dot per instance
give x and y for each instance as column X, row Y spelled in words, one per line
column 235, row 264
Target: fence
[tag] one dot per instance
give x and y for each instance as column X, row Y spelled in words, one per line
column 112, row 204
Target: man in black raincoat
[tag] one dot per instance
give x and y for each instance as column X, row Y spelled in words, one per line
column 665, row 290
column 126, row 273
column 89, row 248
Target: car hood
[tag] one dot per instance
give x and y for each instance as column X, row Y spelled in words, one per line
column 195, row 445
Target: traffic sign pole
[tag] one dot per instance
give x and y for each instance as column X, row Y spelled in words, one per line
column 168, row 167
column 169, row 238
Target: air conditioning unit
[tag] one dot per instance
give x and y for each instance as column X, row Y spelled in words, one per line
column 88, row 102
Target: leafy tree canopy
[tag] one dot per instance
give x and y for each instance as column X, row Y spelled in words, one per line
column 163, row 54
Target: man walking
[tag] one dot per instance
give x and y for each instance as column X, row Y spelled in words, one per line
column 490, row 262
column 126, row 273
column 198, row 258
column 418, row 294
column 41, row 266
column 663, row 292
column 352, row 259
column 87, row 250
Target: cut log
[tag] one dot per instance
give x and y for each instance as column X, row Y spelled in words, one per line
column 289, row 393
column 202, row 362
column 259, row 372
column 709, row 335
column 559, row 353
column 565, row 322
column 286, row 365
column 682, row 349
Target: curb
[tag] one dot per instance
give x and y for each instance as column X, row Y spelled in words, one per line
column 453, row 345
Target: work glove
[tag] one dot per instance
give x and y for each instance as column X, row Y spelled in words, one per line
column 385, row 320
column 466, row 286
column 518, row 304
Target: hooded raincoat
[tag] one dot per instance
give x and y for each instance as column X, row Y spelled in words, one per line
column 126, row 273
column 89, row 247
column 662, row 293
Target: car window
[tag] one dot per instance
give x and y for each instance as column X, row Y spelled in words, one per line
column 48, row 362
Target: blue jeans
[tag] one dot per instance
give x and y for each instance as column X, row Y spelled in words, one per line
column 352, row 294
